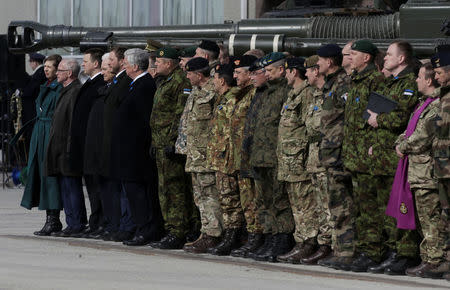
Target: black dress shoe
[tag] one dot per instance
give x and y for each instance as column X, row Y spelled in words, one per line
column 97, row 235
column 122, row 236
column 169, row 242
column 85, row 232
column 108, row 236
column 137, row 241
column 63, row 233
column 391, row 260
column 362, row 263
column 399, row 268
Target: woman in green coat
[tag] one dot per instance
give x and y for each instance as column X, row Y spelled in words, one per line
column 40, row 190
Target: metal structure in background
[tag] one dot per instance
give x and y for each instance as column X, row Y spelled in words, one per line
column 300, row 36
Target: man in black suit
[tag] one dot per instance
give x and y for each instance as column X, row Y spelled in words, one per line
column 92, row 61
column 130, row 159
column 117, row 210
column 31, row 91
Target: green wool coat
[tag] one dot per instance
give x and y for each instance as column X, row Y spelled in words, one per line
column 40, row 190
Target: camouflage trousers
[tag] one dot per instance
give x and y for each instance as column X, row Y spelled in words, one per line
column 272, row 201
column 233, row 216
column 444, row 197
column 303, row 204
column 319, row 184
column 429, row 212
column 340, row 204
column 375, row 231
column 175, row 195
column 206, row 197
column 248, row 202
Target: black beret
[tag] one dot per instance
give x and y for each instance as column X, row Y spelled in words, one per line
column 329, row 50
column 197, row 63
column 256, row 65
column 225, row 69
column 295, row 62
column 37, row 56
column 441, row 59
column 244, row 61
column 210, row 46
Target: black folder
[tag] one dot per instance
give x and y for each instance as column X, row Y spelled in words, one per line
column 379, row 104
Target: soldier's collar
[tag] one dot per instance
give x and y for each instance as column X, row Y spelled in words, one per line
column 329, row 79
column 300, row 88
column 404, row 73
column 365, row 72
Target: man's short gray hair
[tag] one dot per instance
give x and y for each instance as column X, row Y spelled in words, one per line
column 137, row 56
column 73, row 65
column 105, row 56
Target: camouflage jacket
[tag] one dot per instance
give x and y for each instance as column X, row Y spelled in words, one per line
column 292, row 140
column 198, row 126
column 355, row 146
column 313, row 111
column 332, row 118
column 418, row 147
column 218, row 149
column 249, row 129
column 237, row 123
column 264, row 145
column 168, row 105
column 441, row 146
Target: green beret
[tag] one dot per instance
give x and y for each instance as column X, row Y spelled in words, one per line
column 366, row 46
column 167, row 52
column 272, row 57
column 295, row 62
column 188, row 51
column 311, row 61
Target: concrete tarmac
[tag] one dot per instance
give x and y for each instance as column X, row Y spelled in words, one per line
column 30, row 262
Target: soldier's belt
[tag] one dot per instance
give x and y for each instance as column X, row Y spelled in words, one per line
column 314, row 138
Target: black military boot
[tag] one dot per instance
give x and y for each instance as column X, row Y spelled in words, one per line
column 264, row 248
column 362, row 263
column 281, row 244
column 229, row 242
column 52, row 224
column 391, row 260
column 254, row 241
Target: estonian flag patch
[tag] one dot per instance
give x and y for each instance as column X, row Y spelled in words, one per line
column 408, row 92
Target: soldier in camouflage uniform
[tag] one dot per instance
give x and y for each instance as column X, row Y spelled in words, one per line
column 219, row 155
column 278, row 214
column 169, row 101
column 199, row 114
column 292, row 153
column 417, row 148
column 369, row 155
column 246, row 184
column 402, row 245
column 313, row 165
column 259, row 81
column 441, row 150
column 339, row 187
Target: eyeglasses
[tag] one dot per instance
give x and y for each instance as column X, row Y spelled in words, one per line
column 258, row 72
column 61, row 70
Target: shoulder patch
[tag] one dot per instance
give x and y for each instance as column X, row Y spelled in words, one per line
column 408, row 92
column 186, row 91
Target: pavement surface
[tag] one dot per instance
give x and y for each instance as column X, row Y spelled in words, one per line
column 30, row 262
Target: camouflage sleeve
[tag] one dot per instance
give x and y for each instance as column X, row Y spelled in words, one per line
column 422, row 138
column 180, row 98
column 180, row 144
column 398, row 118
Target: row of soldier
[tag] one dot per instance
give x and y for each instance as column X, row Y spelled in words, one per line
column 272, row 149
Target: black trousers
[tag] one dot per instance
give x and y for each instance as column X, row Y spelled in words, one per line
column 96, row 219
column 145, row 210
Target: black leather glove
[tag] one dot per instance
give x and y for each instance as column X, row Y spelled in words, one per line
column 169, row 151
column 152, row 152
